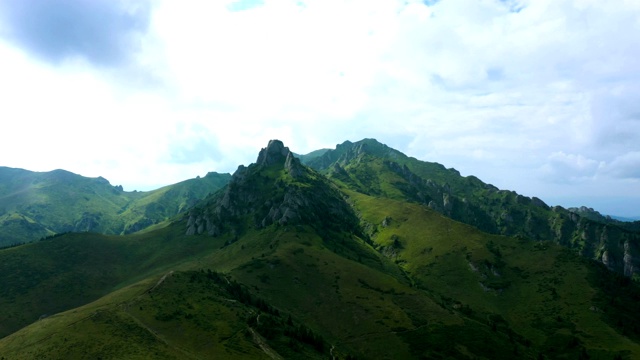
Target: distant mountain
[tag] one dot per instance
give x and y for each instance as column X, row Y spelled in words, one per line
column 625, row 218
column 312, row 155
column 39, row 204
column 357, row 258
column 377, row 170
column 592, row 214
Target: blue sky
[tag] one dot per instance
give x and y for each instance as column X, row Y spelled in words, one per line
column 537, row 96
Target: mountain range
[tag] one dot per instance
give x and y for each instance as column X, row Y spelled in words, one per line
column 34, row 205
column 352, row 252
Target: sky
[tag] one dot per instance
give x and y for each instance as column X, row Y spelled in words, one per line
column 537, row 96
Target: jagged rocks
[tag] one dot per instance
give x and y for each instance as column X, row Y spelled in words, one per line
column 286, row 212
column 273, row 153
column 293, row 166
column 606, row 261
column 202, row 223
column 629, row 265
column 276, row 190
column 447, row 203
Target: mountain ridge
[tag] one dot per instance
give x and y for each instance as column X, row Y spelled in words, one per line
column 34, row 205
column 376, row 169
column 278, row 186
column 372, row 167
column 392, row 278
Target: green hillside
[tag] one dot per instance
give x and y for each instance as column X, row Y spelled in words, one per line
column 375, row 169
column 62, row 272
column 286, row 263
column 35, row 205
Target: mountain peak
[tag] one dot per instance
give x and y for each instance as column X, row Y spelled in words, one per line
column 348, row 151
column 277, row 189
column 274, row 153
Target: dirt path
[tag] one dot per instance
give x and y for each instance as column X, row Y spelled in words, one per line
column 263, row 345
column 160, row 281
column 158, row 337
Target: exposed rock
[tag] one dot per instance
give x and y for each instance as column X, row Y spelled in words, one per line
column 139, row 225
column 505, row 216
column 484, row 206
column 432, row 204
column 293, row 166
column 88, row 222
column 255, row 197
column 628, row 260
column 240, row 172
column 606, row 261
column 274, row 152
column 191, row 228
column 447, row 204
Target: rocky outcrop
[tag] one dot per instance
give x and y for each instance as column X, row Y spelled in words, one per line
column 276, row 190
column 292, row 166
column 274, row 153
column 88, row 222
column 628, row 259
column 137, row 226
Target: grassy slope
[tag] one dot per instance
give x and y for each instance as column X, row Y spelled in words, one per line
column 545, row 293
column 293, row 270
column 35, row 205
column 375, row 169
column 358, row 300
column 49, row 276
column 178, row 319
column 422, row 285
column 164, row 203
column 312, row 155
column 56, row 201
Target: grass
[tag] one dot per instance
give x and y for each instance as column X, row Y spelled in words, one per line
column 36, row 205
column 416, row 303
column 49, row 276
column 372, row 168
column 407, row 283
column 542, row 291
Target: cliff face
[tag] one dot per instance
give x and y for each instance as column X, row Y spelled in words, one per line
column 507, row 213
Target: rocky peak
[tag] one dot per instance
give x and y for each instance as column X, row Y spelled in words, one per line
column 256, row 197
column 293, row 166
column 274, row 153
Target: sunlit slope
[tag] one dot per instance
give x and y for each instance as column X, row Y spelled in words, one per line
column 372, row 168
column 164, row 203
column 538, row 292
column 39, row 204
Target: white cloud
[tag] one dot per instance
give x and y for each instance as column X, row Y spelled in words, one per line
column 505, row 90
column 626, row 166
column 570, row 167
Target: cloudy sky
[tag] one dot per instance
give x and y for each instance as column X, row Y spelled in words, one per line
column 537, row 96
